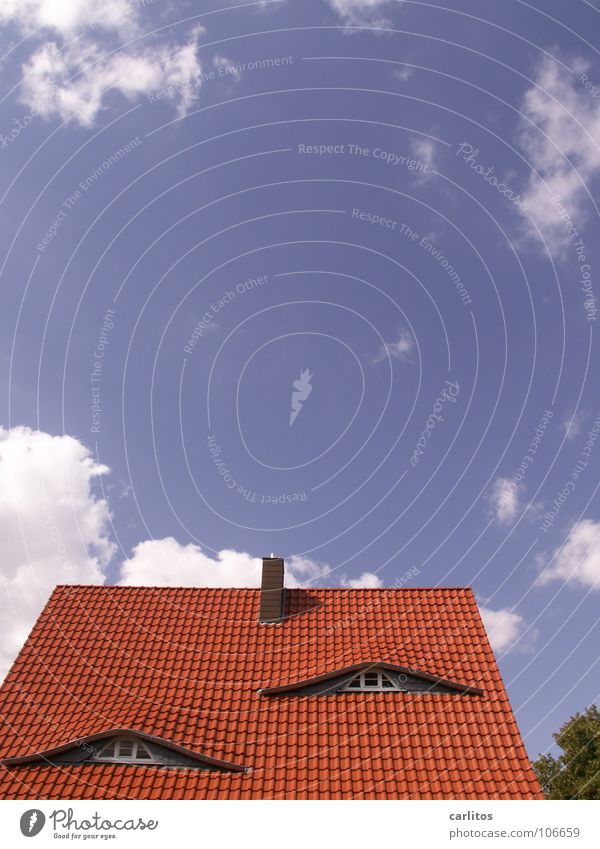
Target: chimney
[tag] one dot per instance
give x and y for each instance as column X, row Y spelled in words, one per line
column 271, row 590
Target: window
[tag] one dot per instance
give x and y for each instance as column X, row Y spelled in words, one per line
column 374, row 679
column 125, row 749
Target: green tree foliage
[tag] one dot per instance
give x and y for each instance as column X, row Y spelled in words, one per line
column 575, row 774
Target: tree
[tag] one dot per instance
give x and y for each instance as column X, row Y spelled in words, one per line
column 575, row 774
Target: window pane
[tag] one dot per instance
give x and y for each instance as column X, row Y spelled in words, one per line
column 387, row 682
column 142, row 752
column 355, row 683
column 371, row 679
column 125, row 748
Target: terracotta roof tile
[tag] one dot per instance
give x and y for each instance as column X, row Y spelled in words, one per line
column 186, row 665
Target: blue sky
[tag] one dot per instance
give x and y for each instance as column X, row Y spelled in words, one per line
column 375, row 218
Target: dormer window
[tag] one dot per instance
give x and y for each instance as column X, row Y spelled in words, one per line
column 374, row 679
column 125, row 750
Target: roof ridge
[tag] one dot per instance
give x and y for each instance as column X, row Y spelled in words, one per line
column 257, row 589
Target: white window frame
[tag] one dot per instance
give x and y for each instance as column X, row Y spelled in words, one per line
column 128, row 759
column 353, row 687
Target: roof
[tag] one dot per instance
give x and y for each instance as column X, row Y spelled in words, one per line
column 188, row 665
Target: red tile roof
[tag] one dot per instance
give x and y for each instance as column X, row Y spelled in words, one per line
column 186, row 665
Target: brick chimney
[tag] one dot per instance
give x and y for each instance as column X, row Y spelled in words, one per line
column 271, row 590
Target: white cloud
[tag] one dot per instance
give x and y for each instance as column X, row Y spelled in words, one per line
column 404, row 73
column 360, row 12
column 166, row 562
column 574, row 425
column 425, row 149
column 76, row 79
column 68, row 17
column 228, row 67
column 53, row 529
column 505, row 500
column 567, row 138
column 578, row 560
column 67, row 76
column 504, row 627
column 367, row 581
column 399, row 349
column 302, row 571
